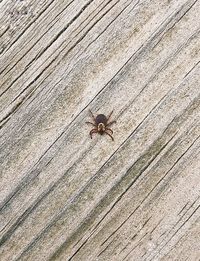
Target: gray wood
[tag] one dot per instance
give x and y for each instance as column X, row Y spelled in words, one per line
column 64, row 196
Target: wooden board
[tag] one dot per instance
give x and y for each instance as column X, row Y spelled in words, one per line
column 64, row 196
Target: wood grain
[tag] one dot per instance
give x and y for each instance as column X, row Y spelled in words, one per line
column 64, row 196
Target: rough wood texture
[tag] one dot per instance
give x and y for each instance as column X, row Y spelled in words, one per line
column 64, row 196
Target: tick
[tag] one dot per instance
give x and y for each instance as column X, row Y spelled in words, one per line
column 101, row 124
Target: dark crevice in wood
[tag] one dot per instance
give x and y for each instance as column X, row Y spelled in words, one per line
column 76, row 250
column 182, row 217
column 191, row 69
column 86, row 33
column 21, row 34
column 34, row 174
column 183, row 209
column 107, row 27
column 61, row 32
column 139, row 243
column 165, row 255
column 175, row 163
column 156, row 226
column 179, row 14
column 143, row 225
column 172, row 236
column 125, row 191
column 38, row 55
column 104, row 249
column 7, row 117
column 7, row 28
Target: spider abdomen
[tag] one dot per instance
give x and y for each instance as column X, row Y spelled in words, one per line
column 101, row 118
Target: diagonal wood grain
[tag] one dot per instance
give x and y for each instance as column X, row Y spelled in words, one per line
column 64, row 196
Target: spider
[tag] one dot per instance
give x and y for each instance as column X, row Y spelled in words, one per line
column 101, row 124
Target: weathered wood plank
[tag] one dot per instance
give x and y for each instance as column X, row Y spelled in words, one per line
column 67, row 197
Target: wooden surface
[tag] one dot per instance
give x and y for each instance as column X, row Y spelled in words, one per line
column 64, row 196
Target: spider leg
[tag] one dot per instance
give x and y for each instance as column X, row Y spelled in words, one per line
column 109, row 115
column 110, row 123
column 93, row 131
column 109, row 135
column 109, row 130
column 92, row 115
column 88, row 122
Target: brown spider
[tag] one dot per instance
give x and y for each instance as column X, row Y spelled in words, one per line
column 101, row 124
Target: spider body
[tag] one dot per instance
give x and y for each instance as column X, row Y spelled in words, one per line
column 101, row 123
